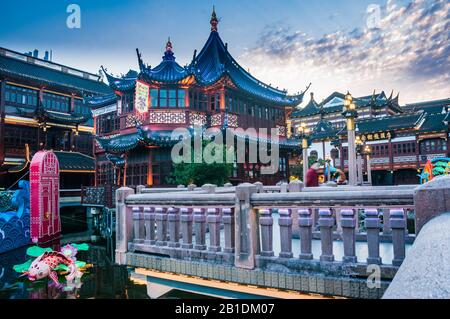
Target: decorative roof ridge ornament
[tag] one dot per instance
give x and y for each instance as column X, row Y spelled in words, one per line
column 168, row 54
column 214, row 21
column 390, row 97
column 141, row 63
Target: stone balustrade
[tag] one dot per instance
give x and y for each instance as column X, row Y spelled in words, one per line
column 249, row 229
column 191, row 224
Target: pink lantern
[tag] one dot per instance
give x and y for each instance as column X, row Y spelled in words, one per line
column 45, row 223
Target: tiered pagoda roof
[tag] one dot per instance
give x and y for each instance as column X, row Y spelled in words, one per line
column 213, row 64
column 168, row 71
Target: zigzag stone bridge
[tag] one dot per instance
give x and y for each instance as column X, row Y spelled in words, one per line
column 227, row 234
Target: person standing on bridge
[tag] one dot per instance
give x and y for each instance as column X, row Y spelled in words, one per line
column 312, row 177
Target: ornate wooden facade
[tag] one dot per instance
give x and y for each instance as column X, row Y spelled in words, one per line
column 401, row 138
column 42, row 107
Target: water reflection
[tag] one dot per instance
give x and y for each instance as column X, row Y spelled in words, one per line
column 103, row 280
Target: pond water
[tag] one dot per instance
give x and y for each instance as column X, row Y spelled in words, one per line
column 104, row 279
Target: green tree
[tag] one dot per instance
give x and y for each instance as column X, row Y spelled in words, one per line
column 201, row 173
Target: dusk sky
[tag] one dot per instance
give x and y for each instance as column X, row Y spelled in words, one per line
column 286, row 43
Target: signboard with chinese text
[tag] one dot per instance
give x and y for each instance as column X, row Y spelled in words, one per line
column 376, row 136
column 142, row 97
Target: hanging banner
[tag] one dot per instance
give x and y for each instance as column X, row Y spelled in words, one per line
column 142, row 97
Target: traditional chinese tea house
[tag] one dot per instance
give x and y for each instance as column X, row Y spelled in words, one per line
column 134, row 124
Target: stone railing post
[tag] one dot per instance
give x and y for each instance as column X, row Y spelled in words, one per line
column 124, row 224
column 398, row 225
column 372, row 223
column 326, row 223
column 200, row 228
column 186, row 228
column 430, row 200
column 295, row 186
column 149, row 217
column 173, row 219
column 209, row 188
column 246, row 239
column 228, row 222
column 139, row 189
column 284, row 187
column 227, row 185
column 138, row 222
column 266, row 222
column 305, row 224
column 259, row 187
column 285, row 223
column 213, row 218
column 348, row 224
column 161, row 226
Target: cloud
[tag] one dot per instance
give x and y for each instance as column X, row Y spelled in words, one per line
column 408, row 51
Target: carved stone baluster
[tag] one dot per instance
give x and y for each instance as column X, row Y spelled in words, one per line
column 372, row 223
column 138, row 223
column 228, row 222
column 161, row 226
column 348, row 224
column 149, row 217
column 173, row 218
column 213, row 220
column 285, row 223
column 186, row 228
column 266, row 222
column 200, row 228
column 305, row 223
column 326, row 223
column 398, row 225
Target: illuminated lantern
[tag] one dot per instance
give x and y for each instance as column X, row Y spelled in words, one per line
column 45, row 223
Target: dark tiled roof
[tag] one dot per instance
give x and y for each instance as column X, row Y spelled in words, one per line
column 324, row 130
column 74, row 161
column 430, row 107
column 375, row 101
column 168, row 71
column 310, row 109
column 125, row 83
column 20, row 69
column 434, row 123
column 214, row 61
column 387, row 123
column 100, row 101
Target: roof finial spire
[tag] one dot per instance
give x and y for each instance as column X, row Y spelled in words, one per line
column 168, row 45
column 214, row 21
column 168, row 55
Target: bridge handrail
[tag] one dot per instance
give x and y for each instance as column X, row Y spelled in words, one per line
column 153, row 222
